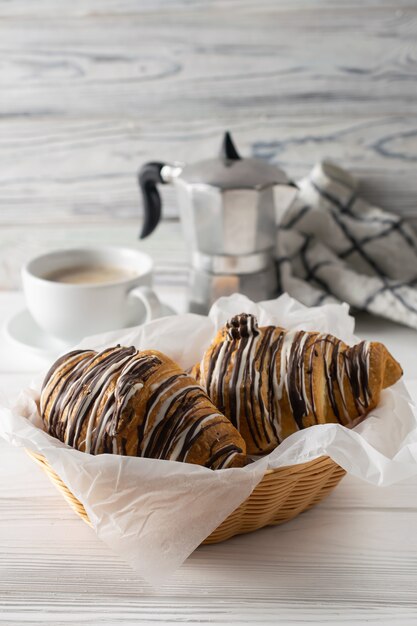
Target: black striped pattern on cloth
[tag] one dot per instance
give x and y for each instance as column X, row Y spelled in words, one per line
column 333, row 246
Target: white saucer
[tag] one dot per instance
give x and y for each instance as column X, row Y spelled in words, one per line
column 22, row 330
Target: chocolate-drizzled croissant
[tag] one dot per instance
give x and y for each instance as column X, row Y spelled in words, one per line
column 135, row 403
column 271, row 382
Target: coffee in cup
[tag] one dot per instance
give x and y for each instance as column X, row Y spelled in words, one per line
column 78, row 292
column 90, row 274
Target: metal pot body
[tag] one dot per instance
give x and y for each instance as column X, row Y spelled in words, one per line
column 226, row 222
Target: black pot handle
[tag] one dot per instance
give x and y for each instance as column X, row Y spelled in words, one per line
column 149, row 176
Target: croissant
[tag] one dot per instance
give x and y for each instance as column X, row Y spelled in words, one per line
column 133, row 403
column 271, row 382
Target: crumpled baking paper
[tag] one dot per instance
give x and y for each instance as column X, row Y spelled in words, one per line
column 154, row 513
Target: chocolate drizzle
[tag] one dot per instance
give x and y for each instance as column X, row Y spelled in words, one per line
column 243, row 325
column 87, row 401
column 225, row 452
column 295, row 378
column 357, row 369
column 255, row 372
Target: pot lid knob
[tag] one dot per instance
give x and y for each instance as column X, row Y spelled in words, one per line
column 228, row 149
column 231, row 171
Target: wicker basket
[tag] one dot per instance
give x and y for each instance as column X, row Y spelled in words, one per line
column 282, row 494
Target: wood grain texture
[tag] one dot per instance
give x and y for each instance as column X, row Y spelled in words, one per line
column 90, row 90
column 193, row 64
column 85, row 171
column 80, row 8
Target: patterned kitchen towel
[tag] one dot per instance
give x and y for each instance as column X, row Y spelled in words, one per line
column 332, row 246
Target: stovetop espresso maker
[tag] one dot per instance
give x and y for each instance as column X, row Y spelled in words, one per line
column 229, row 207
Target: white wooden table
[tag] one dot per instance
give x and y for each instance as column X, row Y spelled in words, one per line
column 352, row 559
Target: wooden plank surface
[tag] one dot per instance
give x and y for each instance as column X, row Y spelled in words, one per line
column 89, row 91
column 85, row 170
column 83, row 8
column 193, row 63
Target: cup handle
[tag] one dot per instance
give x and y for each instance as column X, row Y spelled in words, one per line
column 149, row 299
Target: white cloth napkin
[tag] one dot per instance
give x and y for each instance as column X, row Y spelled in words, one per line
column 332, row 246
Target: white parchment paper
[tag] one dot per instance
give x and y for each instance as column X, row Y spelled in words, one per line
column 155, row 513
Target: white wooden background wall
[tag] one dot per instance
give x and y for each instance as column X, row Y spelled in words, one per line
column 91, row 89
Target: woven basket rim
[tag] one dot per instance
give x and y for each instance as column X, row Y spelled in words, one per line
column 294, row 466
column 255, row 512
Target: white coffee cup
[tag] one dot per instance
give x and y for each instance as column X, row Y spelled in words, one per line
column 71, row 311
